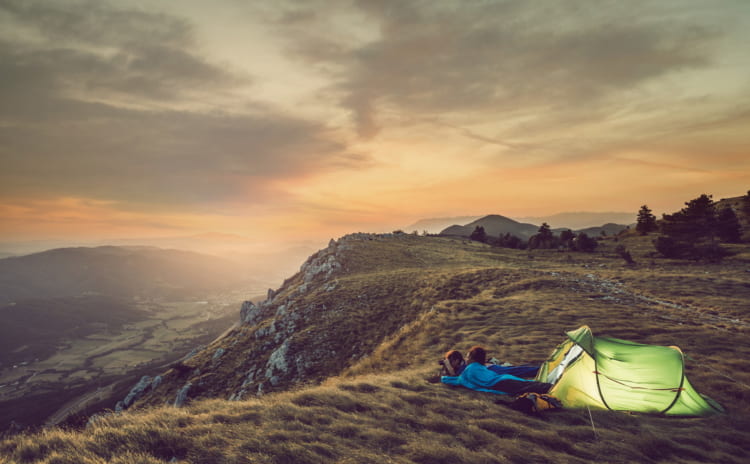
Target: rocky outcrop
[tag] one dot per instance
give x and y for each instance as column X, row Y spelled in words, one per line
column 182, row 395
column 288, row 338
column 136, row 392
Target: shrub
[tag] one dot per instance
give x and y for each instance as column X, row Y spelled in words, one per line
column 585, row 243
column 624, row 254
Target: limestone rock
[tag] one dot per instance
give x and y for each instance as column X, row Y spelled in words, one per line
column 135, row 392
column 182, row 395
column 249, row 313
column 277, row 361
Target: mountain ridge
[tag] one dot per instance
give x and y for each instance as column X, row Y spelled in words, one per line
column 113, row 270
column 331, row 366
column 297, row 334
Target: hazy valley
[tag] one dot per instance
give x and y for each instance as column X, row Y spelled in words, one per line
column 80, row 325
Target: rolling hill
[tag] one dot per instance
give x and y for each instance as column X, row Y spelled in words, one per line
column 436, row 225
column 494, row 225
column 114, row 271
column 331, row 366
column 581, row 220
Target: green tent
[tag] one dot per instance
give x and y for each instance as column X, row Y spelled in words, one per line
column 608, row 373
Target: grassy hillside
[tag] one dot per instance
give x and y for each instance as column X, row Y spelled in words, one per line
column 332, row 366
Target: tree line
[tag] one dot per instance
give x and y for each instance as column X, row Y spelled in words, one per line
column 697, row 230
column 543, row 239
column 694, row 232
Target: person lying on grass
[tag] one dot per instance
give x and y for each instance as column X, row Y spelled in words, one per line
column 477, row 376
column 453, row 364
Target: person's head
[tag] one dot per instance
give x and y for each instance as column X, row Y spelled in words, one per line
column 455, row 358
column 477, row 354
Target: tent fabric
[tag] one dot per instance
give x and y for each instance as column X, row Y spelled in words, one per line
column 609, row 373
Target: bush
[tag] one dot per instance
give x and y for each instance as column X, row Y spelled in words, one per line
column 670, row 248
column 624, row 254
column 585, row 243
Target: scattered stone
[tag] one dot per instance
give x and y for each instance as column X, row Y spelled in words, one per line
column 182, row 395
column 277, row 360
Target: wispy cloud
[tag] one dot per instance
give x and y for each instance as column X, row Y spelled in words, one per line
column 343, row 108
column 110, row 103
column 467, row 60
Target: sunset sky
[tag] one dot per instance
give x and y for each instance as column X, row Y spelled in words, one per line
column 288, row 120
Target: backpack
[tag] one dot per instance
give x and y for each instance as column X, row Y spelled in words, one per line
column 534, row 403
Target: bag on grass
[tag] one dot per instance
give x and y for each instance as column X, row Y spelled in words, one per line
column 534, row 403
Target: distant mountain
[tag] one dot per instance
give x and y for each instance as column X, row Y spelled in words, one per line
column 608, row 229
column 581, row 220
column 494, row 225
column 114, row 271
column 437, row 225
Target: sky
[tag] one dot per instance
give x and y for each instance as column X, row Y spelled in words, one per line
column 307, row 120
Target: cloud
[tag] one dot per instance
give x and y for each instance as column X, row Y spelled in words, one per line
column 120, row 104
column 172, row 157
column 469, row 60
column 95, row 51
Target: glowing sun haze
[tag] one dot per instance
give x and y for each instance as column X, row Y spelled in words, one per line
column 286, row 120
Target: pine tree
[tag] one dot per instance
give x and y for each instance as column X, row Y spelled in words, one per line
column 566, row 237
column 544, row 238
column 646, row 221
column 728, row 226
column 479, row 234
column 691, row 232
column 694, row 223
column 545, row 232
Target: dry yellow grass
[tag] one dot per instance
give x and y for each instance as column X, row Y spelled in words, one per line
column 415, row 298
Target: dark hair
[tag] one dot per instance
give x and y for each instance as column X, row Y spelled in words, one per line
column 453, row 354
column 477, row 354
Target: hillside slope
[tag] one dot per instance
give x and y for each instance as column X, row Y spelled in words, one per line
column 494, row 225
column 114, row 271
column 331, row 366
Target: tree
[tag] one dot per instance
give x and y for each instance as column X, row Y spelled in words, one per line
column 694, row 223
column 646, row 222
column 544, row 231
column 510, row 241
column 583, row 242
column 728, row 226
column 479, row 234
column 691, row 232
column 567, row 236
column 544, row 238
